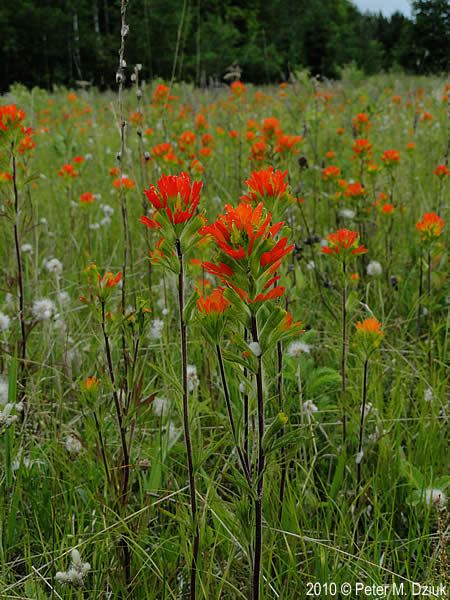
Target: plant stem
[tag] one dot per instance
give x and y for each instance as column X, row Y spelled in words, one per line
column 226, row 393
column 23, row 335
column 280, row 408
column 187, row 434
column 419, row 306
column 344, row 353
column 125, row 466
column 259, row 473
column 361, row 426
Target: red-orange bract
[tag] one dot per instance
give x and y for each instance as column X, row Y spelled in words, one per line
column 390, row 157
column 248, row 254
column 430, row 226
column 265, row 183
column 442, row 171
column 11, row 117
column 343, row 242
column 215, row 303
column 176, row 196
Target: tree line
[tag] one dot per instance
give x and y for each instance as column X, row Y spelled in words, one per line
column 47, row 42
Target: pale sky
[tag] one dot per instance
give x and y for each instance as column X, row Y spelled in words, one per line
column 387, row 7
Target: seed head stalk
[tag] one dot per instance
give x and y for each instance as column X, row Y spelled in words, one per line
column 120, row 78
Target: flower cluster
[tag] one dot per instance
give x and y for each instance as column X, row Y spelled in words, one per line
column 248, row 254
column 430, row 227
column 343, row 244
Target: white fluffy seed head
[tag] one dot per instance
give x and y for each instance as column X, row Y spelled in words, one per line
column 374, row 268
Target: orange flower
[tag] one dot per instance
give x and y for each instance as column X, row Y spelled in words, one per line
column 287, row 143
column 355, row 190
column 390, row 157
column 176, row 197
column 373, row 169
column 410, row 146
column 264, row 184
column 426, row 116
column 387, row 209
column 11, row 117
column 25, row 144
column 271, row 127
column 123, row 182
column 369, row 335
column 331, row 172
column 109, row 280
column 201, row 122
column 238, row 88
column 430, row 226
column 207, row 140
column 362, row 147
column 78, row 160
column 161, row 149
column 248, row 254
column 441, row 171
column 361, row 122
column 87, row 197
column 233, row 134
column 5, row 177
column 215, row 303
column 186, row 139
column 136, row 118
column 343, row 242
column 259, row 150
column 91, row 383
column 287, row 324
column 114, row 171
column 67, row 171
column 161, row 94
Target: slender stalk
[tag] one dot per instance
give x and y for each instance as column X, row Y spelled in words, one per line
column 121, row 155
column 23, row 335
column 246, row 416
column 429, row 316
column 361, row 427
column 256, row 587
column 187, row 434
column 419, row 306
column 280, row 407
column 125, row 466
column 226, row 393
column 123, row 439
column 344, row 353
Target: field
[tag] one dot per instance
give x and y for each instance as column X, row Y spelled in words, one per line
column 250, row 405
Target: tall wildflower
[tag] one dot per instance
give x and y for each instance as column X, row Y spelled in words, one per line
column 175, row 200
column 15, row 140
column 249, row 252
column 343, row 245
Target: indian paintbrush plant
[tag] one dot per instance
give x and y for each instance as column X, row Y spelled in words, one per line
column 249, row 252
column 367, row 339
column 343, row 245
column 174, row 217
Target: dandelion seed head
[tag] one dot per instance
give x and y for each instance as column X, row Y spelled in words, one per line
column 5, row 322
column 296, row 349
column 43, row 309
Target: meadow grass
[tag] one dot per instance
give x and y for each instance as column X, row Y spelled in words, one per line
column 62, row 465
